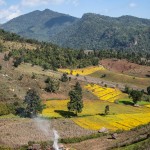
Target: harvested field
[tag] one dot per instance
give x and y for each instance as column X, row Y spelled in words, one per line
column 126, row 67
column 107, row 143
column 15, row 132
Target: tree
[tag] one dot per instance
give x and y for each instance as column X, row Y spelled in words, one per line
column 33, row 102
column 106, row 109
column 17, row 62
column 76, row 103
column 148, row 90
column 51, row 85
column 64, row 77
column 136, row 95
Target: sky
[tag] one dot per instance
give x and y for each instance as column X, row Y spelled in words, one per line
column 10, row 9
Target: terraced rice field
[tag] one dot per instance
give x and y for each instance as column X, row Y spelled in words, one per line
column 121, row 117
column 113, row 122
column 83, row 71
column 104, row 93
column 148, row 106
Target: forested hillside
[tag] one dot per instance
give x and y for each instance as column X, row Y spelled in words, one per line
column 40, row 25
column 92, row 31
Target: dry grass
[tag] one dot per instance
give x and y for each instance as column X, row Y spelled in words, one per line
column 15, row 132
column 122, row 78
column 9, row 45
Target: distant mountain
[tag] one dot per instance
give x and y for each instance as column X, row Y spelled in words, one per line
column 92, row 31
column 40, row 25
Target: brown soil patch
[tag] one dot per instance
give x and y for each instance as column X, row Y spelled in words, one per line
column 126, row 67
column 15, row 132
column 106, row 143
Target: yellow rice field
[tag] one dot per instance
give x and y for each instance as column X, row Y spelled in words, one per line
column 83, row 71
column 104, row 93
column 148, row 106
column 53, row 107
column 121, row 116
column 113, row 122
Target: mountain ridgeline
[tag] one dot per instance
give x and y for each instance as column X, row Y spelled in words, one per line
column 92, row 31
column 40, row 25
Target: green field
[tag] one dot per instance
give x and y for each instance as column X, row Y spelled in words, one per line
column 122, row 78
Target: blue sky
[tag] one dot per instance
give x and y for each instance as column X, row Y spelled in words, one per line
column 10, row 9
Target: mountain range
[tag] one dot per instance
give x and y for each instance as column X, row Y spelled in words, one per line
column 92, row 31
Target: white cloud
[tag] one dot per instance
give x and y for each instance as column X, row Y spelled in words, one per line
column 2, row 2
column 132, row 5
column 40, row 2
column 74, row 2
column 33, row 3
column 10, row 13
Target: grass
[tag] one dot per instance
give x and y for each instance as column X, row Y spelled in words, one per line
column 130, row 102
column 58, row 108
column 137, row 146
column 121, row 117
column 113, row 122
column 8, row 116
column 122, row 78
column 29, row 69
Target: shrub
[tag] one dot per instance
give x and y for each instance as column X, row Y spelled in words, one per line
column 64, row 77
column 4, row 110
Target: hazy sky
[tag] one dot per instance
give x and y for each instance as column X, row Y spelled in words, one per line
column 13, row 8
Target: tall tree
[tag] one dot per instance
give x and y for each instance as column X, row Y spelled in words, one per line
column 76, row 103
column 33, row 102
column 148, row 90
column 136, row 95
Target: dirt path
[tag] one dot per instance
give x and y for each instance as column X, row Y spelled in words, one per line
column 99, row 81
column 105, row 143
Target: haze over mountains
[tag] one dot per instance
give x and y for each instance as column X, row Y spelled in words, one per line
column 92, row 31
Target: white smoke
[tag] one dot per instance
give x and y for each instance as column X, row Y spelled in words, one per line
column 56, row 138
column 44, row 126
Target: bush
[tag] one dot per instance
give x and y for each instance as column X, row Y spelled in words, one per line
column 51, row 85
column 64, row 77
column 4, row 110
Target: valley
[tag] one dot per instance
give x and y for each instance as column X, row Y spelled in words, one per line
column 78, row 83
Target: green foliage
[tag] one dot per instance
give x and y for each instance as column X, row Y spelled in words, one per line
column 136, row 95
column 40, row 25
column 82, row 138
column 52, row 85
column 33, row 76
column 92, row 31
column 107, row 110
column 76, row 103
column 64, row 77
column 17, row 62
column 33, row 103
column 6, row 57
column 127, row 90
column 4, row 110
column 148, row 90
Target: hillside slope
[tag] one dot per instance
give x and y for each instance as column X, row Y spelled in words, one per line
column 40, row 25
column 92, row 31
